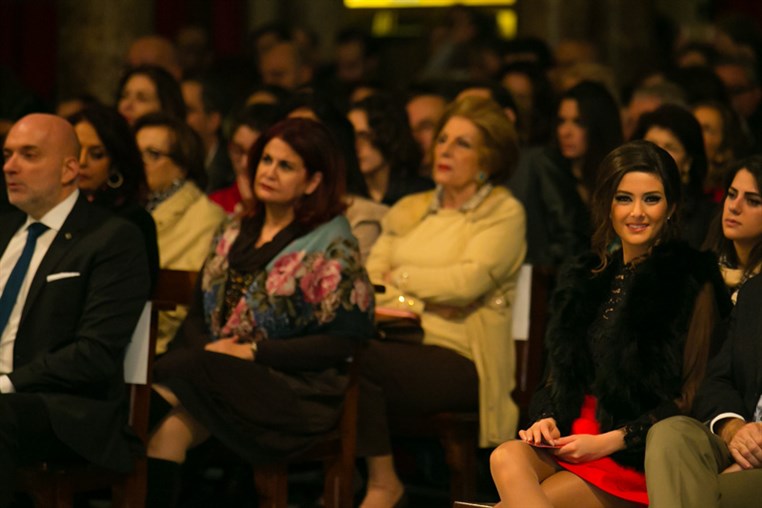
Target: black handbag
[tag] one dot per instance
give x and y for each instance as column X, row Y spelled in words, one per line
column 400, row 329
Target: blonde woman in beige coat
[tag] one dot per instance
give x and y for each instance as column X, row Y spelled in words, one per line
column 450, row 257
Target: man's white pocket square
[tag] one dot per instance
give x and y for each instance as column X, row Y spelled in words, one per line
column 61, row 275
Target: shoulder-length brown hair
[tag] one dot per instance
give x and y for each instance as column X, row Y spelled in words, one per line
column 641, row 156
column 314, row 143
column 185, row 147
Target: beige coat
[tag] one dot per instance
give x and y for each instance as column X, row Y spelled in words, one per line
column 468, row 260
column 185, row 225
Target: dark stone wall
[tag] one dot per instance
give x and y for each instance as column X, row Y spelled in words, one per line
column 93, row 37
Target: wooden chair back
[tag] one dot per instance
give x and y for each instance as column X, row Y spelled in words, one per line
column 174, row 288
column 530, row 343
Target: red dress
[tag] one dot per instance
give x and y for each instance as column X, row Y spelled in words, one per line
column 620, row 481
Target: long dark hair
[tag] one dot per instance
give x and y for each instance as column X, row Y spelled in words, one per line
column 599, row 115
column 167, row 89
column 716, row 240
column 320, row 154
column 390, row 133
column 342, row 131
column 735, row 143
column 539, row 120
column 640, row 156
column 119, row 142
column 680, row 122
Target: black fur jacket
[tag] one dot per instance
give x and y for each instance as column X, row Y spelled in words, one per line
column 631, row 362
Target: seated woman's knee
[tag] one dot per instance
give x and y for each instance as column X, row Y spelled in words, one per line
column 511, row 454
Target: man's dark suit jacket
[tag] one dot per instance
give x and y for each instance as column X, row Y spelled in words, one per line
column 74, row 329
column 734, row 378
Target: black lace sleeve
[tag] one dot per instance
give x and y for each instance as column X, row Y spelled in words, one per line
column 541, row 405
column 635, row 431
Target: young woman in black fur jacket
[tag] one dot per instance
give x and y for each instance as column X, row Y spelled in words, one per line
column 627, row 345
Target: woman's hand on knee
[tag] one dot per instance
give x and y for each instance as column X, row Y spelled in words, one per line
column 544, row 430
column 586, row 447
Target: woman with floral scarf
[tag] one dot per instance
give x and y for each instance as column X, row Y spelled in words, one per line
column 261, row 361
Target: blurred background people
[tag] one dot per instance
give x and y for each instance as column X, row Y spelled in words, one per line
column 154, row 50
column 675, row 129
column 246, row 127
column 741, row 79
column 148, row 89
column 363, row 213
column 185, row 218
column 425, row 107
column 554, row 183
column 724, row 142
column 206, row 108
column 285, row 65
column 388, row 155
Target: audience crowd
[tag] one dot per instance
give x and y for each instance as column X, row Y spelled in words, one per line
column 331, row 216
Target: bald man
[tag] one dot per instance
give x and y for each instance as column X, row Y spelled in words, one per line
column 73, row 281
column 155, row 50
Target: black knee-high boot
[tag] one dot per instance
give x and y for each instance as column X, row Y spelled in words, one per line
column 163, row 483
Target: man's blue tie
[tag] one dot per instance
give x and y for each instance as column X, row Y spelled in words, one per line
column 11, row 291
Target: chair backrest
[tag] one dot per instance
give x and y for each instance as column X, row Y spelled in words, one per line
column 173, row 288
column 138, row 362
column 530, row 317
column 136, row 356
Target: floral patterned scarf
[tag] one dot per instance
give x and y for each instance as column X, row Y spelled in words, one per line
column 297, row 284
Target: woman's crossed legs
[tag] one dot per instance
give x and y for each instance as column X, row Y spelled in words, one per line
column 529, row 478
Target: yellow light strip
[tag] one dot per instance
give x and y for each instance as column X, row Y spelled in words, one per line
column 391, row 4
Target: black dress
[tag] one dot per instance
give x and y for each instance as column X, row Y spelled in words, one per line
column 292, row 393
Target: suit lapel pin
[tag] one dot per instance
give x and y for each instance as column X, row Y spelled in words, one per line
column 67, row 236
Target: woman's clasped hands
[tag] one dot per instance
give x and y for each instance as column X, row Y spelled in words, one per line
column 232, row 347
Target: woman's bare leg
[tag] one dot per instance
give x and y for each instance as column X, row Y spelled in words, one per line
column 166, row 394
column 384, row 486
column 177, row 432
column 567, row 490
column 518, row 470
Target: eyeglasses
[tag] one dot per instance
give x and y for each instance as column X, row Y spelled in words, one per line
column 153, row 155
column 236, row 151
